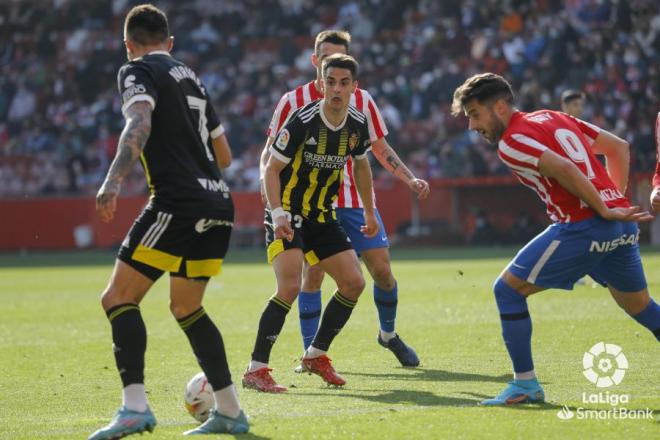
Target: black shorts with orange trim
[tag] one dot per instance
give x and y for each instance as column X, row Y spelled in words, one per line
column 163, row 241
column 318, row 241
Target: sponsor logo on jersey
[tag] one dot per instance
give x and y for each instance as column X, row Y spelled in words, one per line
column 607, row 246
column 311, row 141
column 326, row 161
column 609, row 194
column 135, row 89
column 204, row 224
column 213, row 185
column 283, row 139
column 132, row 89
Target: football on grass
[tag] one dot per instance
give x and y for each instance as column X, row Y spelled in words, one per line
column 199, row 397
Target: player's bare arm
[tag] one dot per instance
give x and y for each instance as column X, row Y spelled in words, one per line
column 263, row 161
column 571, row 178
column 222, row 151
column 617, row 154
column 131, row 143
column 364, row 184
column 272, row 187
column 388, row 158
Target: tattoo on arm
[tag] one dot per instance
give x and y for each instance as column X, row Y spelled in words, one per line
column 396, row 164
column 131, row 143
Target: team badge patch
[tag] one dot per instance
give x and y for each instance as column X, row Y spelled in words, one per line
column 353, row 141
column 282, row 139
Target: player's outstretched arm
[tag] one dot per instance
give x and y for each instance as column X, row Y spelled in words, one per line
column 272, row 187
column 131, row 143
column 571, row 178
column 222, row 151
column 617, row 155
column 364, row 184
column 388, row 158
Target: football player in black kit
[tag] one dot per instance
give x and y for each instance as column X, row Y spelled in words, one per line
column 173, row 129
column 301, row 181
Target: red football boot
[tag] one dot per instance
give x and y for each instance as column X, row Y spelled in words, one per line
column 323, row 367
column 261, row 380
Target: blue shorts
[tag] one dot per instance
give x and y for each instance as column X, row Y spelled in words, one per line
column 565, row 252
column 351, row 219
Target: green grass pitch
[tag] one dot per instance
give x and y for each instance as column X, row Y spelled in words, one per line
column 58, row 379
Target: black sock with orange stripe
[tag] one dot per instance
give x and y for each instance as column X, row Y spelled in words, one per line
column 129, row 341
column 336, row 314
column 270, row 326
column 208, row 346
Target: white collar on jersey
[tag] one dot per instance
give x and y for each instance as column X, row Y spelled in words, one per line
column 154, row 52
column 159, row 52
column 326, row 122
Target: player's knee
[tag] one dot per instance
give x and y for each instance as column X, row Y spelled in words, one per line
column 352, row 286
column 288, row 291
column 181, row 310
column 633, row 303
column 113, row 296
column 506, row 296
column 312, row 278
column 382, row 275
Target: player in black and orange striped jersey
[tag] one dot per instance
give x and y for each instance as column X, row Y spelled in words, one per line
column 172, row 127
column 301, row 182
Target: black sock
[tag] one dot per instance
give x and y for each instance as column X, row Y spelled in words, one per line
column 335, row 316
column 206, row 342
column 129, row 342
column 270, row 326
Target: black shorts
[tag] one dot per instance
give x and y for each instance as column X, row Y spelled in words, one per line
column 189, row 247
column 318, row 241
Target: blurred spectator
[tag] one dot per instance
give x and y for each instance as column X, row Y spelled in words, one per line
column 60, row 115
column 572, row 102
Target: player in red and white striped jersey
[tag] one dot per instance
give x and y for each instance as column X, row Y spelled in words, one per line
column 374, row 251
column 595, row 230
column 655, row 194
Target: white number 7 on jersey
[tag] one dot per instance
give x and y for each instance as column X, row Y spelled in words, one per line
column 575, row 149
column 200, row 104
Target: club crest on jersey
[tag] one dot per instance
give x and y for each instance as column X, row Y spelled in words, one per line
column 353, row 141
column 283, row 139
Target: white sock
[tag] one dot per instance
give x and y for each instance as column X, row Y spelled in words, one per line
column 527, row 375
column 386, row 336
column 254, row 366
column 226, row 401
column 313, row 352
column 134, row 397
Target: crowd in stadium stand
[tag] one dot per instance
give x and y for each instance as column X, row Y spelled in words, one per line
column 60, row 115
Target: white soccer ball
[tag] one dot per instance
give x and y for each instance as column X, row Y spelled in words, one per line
column 199, row 397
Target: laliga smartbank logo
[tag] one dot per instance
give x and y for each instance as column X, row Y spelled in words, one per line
column 604, row 365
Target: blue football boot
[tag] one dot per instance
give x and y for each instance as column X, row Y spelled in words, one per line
column 518, row 391
column 219, row 424
column 405, row 354
column 126, row 422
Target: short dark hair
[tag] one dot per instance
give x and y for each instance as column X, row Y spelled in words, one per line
column 146, row 25
column 571, row 94
column 341, row 61
column 342, row 38
column 485, row 88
